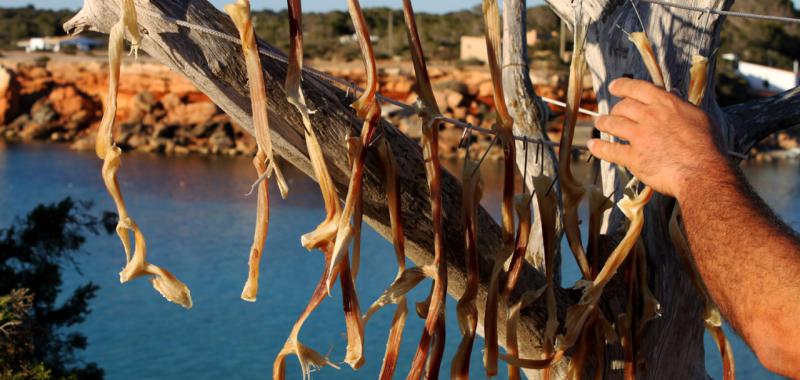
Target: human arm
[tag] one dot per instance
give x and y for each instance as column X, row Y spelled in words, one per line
column 748, row 258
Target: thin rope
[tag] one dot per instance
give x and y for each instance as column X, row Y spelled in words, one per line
column 725, row 13
column 455, row 122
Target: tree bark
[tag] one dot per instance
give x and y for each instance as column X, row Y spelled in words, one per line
column 673, row 344
column 216, row 67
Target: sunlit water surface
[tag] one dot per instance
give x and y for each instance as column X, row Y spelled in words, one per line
column 199, row 224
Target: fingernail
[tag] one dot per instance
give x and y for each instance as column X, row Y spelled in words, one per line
column 611, row 85
column 590, row 143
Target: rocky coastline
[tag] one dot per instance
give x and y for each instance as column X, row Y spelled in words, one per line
column 159, row 111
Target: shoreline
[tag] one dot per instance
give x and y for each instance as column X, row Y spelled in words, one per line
column 60, row 98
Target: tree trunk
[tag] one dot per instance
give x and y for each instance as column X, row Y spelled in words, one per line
column 673, row 346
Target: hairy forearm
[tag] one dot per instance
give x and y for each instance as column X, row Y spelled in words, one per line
column 749, row 260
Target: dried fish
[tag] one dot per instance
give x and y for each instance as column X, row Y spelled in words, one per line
column 598, row 204
column 651, row 308
column 369, row 110
column 491, row 17
column 398, row 240
column 712, row 318
column 522, row 203
column 429, row 110
column 239, row 13
column 250, row 291
column 645, row 49
column 547, row 215
column 136, row 265
column 571, row 188
column 308, row 358
column 698, row 75
column 466, row 310
column 323, row 236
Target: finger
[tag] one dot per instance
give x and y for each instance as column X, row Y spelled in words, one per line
column 640, row 90
column 609, row 151
column 631, row 109
column 618, row 126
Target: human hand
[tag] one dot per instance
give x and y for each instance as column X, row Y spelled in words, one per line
column 670, row 141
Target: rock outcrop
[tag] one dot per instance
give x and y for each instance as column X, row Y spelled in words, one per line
column 160, row 111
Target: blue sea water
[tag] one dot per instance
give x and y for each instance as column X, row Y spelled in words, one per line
column 199, row 225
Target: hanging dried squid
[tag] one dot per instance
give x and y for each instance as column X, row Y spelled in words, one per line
column 503, row 128
column 522, row 204
column 136, row 265
column 571, row 188
column 367, row 108
column 712, row 319
column 389, row 364
column 264, row 160
column 432, row 309
column 323, row 236
column 632, row 206
column 542, row 186
column 466, row 309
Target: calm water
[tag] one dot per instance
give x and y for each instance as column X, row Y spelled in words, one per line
column 199, row 225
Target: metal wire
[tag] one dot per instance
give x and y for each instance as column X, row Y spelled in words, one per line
column 721, row 12
column 455, row 122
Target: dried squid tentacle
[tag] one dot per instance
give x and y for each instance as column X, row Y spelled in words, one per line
column 386, row 157
column 633, row 209
column 434, row 310
column 264, row 160
column 645, row 49
column 354, row 355
column 547, row 213
column 250, row 291
column 136, row 265
column 239, row 12
column 698, row 75
column 598, row 204
column 578, row 315
column 367, row 108
column 308, row 358
column 522, row 203
column 572, row 190
column 466, row 309
column 491, row 16
column 326, row 231
column 397, row 291
column 651, row 308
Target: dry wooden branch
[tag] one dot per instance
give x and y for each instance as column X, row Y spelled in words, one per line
column 214, row 67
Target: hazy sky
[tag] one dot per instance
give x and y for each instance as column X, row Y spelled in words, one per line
column 309, row 5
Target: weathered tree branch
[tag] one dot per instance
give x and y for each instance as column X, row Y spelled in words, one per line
column 215, row 67
column 676, row 35
column 529, row 112
column 751, row 122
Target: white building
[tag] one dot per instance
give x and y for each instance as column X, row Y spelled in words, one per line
column 56, row 44
column 765, row 78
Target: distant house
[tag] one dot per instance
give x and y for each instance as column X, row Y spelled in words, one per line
column 764, row 78
column 353, row 38
column 57, row 44
column 532, row 37
column 473, row 48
